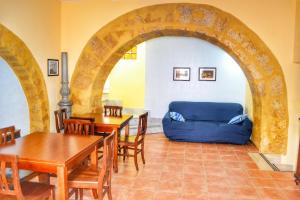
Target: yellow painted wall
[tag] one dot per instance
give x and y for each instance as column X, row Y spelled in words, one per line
column 297, row 33
column 37, row 23
column 273, row 21
column 127, row 80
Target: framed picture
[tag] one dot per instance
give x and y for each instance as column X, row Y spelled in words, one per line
column 53, row 68
column 207, row 74
column 181, row 73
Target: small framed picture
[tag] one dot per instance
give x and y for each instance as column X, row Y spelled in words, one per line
column 207, row 74
column 53, row 68
column 181, row 73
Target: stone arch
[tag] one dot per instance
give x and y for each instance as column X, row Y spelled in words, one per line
column 260, row 66
column 20, row 59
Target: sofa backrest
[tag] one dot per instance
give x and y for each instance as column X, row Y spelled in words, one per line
column 206, row 111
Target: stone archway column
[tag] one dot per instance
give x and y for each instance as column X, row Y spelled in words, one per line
column 20, row 59
column 260, row 66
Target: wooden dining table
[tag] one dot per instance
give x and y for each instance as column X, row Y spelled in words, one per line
column 109, row 124
column 54, row 153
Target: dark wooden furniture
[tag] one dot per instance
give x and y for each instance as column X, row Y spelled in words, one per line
column 113, row 111
column 110, row 124
column 7, row 135
column 78, row 127
column 137, row 144
column 297, row 173
column 60, row 115
column 54, row 153
column 23, row 190
column 99, row 181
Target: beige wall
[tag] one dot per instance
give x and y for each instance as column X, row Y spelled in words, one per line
column 273, row 21
column 37, row 23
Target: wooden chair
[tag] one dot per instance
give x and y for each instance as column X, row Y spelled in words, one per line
column 60, row 116
column 79, row 127
column 7, row 135
column 95, row 133
column 98, row 180
column 133, row 144
column 113, row 111
column 25, row 190
column 91, row 119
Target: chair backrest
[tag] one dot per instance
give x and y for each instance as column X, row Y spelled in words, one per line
column 10, row 162
column 79, row 127
column 107, row 162
column 91, row 119
column 60, row 116
column 113, row 111
column 142, row 128
column 7, row 135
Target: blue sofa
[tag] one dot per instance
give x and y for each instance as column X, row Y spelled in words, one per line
column 207, row 122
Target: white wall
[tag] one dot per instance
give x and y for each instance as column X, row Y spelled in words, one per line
column 162, row 54
column 13, row 103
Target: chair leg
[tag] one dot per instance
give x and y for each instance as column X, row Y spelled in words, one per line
column 76, row 193
column 124, row 153
column 143, row 154
column 109, row 195
column 52, row 194
column 135, row 159
column 95, row 195
column 81, row 193
column 100, row 195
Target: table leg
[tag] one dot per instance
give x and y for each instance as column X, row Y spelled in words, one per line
column 62, row 182
column 117, row 132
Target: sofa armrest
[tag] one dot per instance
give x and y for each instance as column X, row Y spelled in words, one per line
column 247, row 124
column 166, row 119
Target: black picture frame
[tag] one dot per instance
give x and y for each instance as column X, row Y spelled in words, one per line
column 181, row 73
column 53, row 67
column 207, row 74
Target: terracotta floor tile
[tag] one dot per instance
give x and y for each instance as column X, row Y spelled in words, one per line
column 167, row 196
column 171, row 176
column 236, row 172
column 261, row 182
column 170, row 185
column 216, row 180
column 256, row 173
column 191, row 187
column 198, row 196
column 200, row 178
column 194, row 169
column 270, row 194
column 140, row 195
column 282, row 175
column 291, row 194
column 145, row 183
column 238, row 182
column 244, row 193
column 286, row 184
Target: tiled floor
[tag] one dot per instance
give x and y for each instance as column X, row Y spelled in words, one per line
column 194, row 171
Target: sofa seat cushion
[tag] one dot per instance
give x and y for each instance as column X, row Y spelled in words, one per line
column 207, row 131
